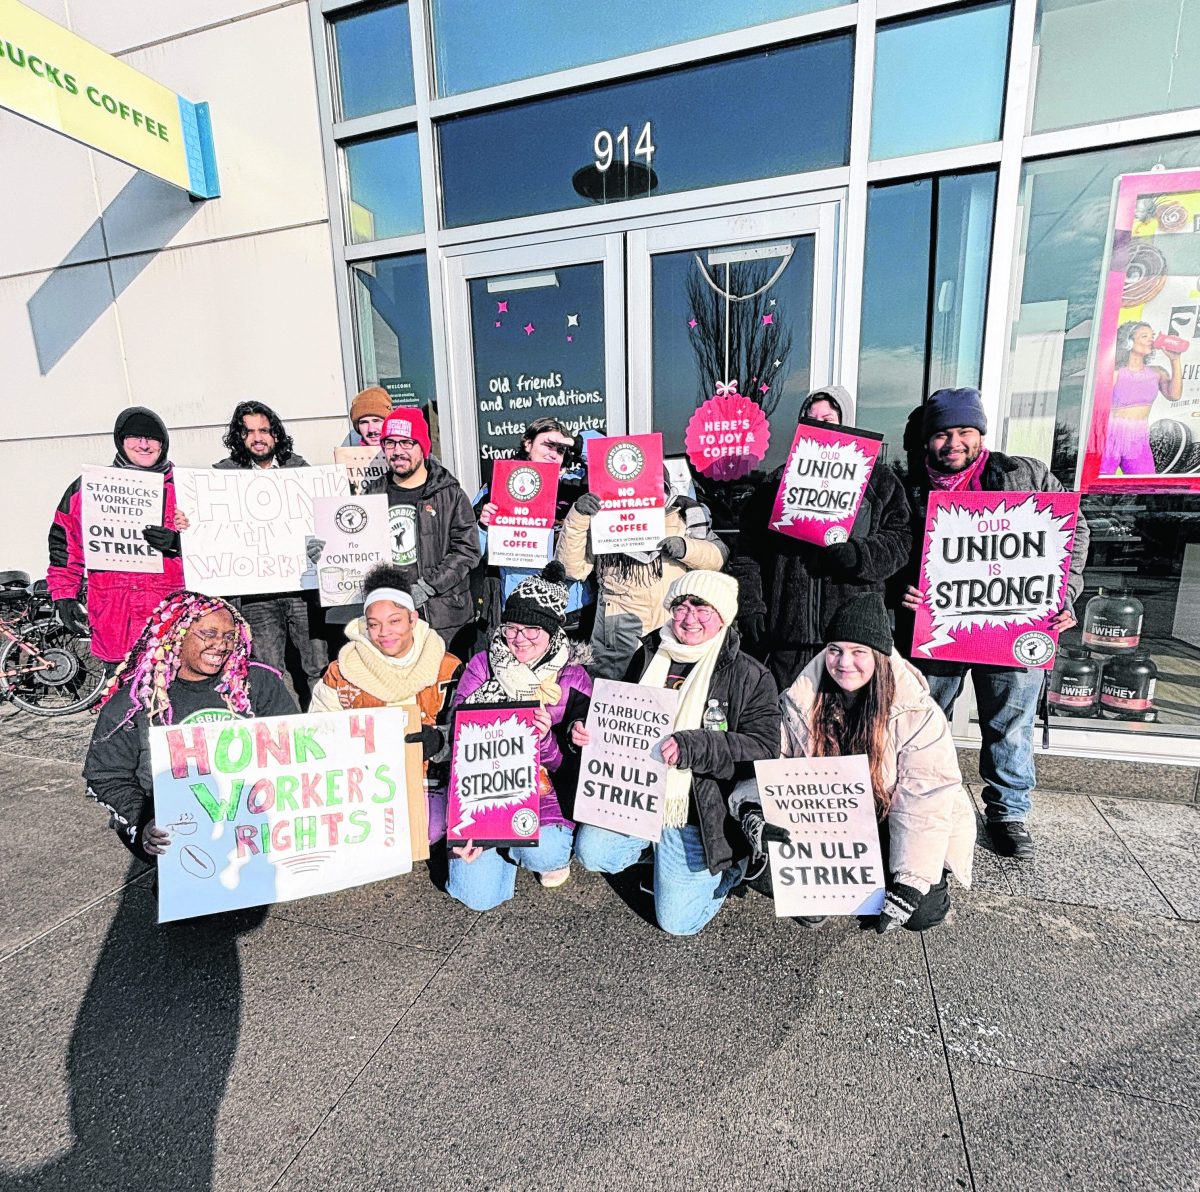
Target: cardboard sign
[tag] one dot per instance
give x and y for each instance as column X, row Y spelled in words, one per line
column 249, row 525
column 626, row 473
column 364, row 465
column 823, row 482
column 494, row 792
column 833, row 865
column 277, row 808
column 994, row 574
column 356, row 537
column 622, row 777
column 526, row 495
column 115, row 504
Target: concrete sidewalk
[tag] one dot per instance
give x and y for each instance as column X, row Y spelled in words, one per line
column 387, row 1038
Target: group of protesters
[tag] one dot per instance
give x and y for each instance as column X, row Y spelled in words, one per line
column 776, row 648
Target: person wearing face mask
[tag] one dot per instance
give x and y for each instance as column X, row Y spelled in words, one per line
column 803, row 584
column 118, row 602
column 859, row 697
column 728, row 718
column 529, row 659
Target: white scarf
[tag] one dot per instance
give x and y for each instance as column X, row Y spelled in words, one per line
column 516, row 681
column 693, row 699
column 396, row 681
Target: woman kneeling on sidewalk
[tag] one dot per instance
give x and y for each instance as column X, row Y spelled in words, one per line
column 529, row 659
column 858, row 696
column 728, row 718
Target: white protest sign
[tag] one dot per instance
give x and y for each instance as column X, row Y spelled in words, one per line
column 277, row 808
column 248, row 527
column 115, row 504
column 363, row 465
column 355, row 537
column 622, row 777
column 833, row 865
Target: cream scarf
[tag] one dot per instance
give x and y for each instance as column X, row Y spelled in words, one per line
column 693, row 699
column 512, row 680
column 393, row 680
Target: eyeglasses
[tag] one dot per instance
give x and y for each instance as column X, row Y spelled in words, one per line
column 400, row 444
column 211, row 635
column 702, row 612
column 514, row 633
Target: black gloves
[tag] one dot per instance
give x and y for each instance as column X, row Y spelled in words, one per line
column 431, row 739
column 588, row 505
column 165, row 541
column 421, row 593
column 758, row 832
column 843, row 555
column 674, row 547
column 753, row 626
column 898, row 907
column 73, row 616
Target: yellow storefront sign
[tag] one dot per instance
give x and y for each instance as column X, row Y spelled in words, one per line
column 51, row 76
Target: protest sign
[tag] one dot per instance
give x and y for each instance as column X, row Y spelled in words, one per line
column 728, row 435
column 249, row 526
column 994, row 574
column 525, row 495
column 622, row 777
column 364, row 465
column 833, row 865
column 115, row 505
column 823, row 482
column 494, row 792
column 278, row 808
column 355, row 537
column 626, row 473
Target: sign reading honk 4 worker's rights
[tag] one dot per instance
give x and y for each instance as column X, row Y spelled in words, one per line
column 278, row 808
column 833, row 864
column 626, row 473
column 116, row 504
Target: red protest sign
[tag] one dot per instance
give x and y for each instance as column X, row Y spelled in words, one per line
column 525, row 495
column 626, row 473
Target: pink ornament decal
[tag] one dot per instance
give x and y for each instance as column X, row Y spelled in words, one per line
column 728, row 435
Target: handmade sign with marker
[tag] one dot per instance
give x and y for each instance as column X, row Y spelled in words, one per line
column 622, row 776
column 833, row 864
column 823, row 482
column 354, row 536
column 525, row 495
column 626, row 473
column 116, row 504
column 994, row 573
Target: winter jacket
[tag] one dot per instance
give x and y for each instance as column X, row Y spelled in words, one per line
column 118, row 602
column 931, row 822
column 447, row 545
column 627, row 586
column 117, row 767
column 719, row 760
column 576, row 684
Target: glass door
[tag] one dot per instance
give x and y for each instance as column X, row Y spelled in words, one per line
column 545, row 337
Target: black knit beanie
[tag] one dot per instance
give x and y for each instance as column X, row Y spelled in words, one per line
column 539, row 600
column 863, row 620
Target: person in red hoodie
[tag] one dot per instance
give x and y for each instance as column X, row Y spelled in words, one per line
column 118, row 602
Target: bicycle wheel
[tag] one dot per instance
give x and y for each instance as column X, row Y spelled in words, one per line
column 72, row 683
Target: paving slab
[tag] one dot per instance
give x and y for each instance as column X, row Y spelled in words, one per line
column 1080, row 859
column 58, row 738
column 568, row 1042
column 197, row 1055
column 1166, row 843
column 1038, row 1135
column 1097, row 998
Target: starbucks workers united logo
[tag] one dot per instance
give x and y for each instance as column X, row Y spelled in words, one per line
column 625, row 461
column 524, row 484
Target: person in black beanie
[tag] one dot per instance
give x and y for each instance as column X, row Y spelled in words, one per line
column 858, row 696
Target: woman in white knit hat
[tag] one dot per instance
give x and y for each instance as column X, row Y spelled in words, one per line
column 728, row 717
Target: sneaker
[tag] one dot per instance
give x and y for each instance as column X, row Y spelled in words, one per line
column 1010, row 838
column 812, row 922
column 556, row 877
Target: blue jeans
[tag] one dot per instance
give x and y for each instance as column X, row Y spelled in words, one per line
column 492, row 879
column 1008, row 701
column 686, row 895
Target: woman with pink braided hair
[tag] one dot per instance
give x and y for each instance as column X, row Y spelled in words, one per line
column 190, row 664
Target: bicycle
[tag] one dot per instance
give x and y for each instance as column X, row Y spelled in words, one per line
column 44, row 667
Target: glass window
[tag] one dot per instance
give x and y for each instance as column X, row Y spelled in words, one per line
column 392, row 330
column 479, row 43
column 385, row 187
column 924, row 294
column 939, row 81
column 373, row 61
column 698, row 126
column 1148, row 545
column 1083, row 70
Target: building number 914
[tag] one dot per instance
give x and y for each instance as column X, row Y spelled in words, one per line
column 608, row 147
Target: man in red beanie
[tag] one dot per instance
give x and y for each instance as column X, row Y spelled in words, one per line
column 435, row 541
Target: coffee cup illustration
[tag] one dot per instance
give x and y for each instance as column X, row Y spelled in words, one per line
column 331, row 580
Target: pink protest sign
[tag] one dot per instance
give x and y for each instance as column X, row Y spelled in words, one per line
column 994, row 574
column 525, row 495
column 823, row 482
column 728, row 435
column 494, row 792
column 626, row 473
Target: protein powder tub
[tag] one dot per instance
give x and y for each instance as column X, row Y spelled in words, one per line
column 1075, row 684
column 1112, row 622
column 1127, row 688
